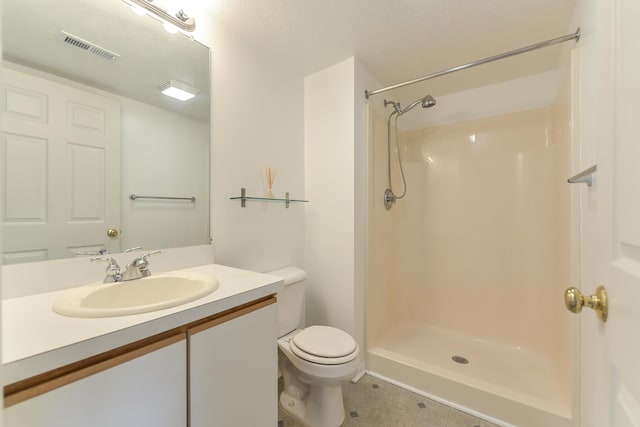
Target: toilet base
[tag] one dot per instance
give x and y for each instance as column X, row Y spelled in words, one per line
column 318, row 406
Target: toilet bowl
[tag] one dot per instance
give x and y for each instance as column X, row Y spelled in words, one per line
column 313, row 361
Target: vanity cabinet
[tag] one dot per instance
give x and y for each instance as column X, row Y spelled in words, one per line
column 220, row 370
column 233, row 371
column 147, row 390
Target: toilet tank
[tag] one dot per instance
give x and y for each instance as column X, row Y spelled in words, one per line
column 290, row 299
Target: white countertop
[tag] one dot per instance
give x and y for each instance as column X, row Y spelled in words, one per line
column 35, row 339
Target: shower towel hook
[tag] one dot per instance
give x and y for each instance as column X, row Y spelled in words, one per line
column 584, row 177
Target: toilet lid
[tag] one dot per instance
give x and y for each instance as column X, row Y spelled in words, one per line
column 324, row 344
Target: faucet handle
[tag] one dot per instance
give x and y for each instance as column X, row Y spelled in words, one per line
column 139, row 267
column 148, row 254
column 143, row 262
column 135, row 248
column 112, row 271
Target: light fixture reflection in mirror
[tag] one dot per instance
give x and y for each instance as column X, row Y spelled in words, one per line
column 178, row 90
column 178, row 20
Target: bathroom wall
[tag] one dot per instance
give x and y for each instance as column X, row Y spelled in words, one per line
column 490, row 228
column 257, row 121
column 329, row 166
column 335, row 170
column 179, row 147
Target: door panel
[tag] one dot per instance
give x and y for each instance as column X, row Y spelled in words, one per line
column 611, row 211
column 62, row 169
column 623, row 269
column 25, row 166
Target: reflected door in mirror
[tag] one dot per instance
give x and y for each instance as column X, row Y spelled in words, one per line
column 62, row 169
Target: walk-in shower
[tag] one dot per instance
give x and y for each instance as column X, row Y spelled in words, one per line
column 461, row 295
column 390, row 196
column 462, row 275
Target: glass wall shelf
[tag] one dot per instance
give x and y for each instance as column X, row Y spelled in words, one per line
column 243, row 199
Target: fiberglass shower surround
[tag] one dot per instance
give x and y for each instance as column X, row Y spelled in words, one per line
column 484, row 222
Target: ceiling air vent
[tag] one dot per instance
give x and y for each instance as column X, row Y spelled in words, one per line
column 88, row 46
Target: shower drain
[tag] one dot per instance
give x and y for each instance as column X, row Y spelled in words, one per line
column 460, row 359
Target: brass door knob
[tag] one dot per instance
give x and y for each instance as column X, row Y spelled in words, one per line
column 574, row 300
column 112, row 232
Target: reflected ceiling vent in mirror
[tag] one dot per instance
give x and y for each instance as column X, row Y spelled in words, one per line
column 87, row 46
column 178, row 90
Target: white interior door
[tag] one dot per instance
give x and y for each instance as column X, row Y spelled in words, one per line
column 61, row 169
column 610, row 380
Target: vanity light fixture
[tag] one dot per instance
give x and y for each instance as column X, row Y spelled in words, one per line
column 178, row 90
column 180, row 20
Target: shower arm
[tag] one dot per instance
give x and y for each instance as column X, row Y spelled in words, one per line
column 410, row 106
column 574, row 36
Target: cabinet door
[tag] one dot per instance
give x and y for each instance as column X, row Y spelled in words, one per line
column 146, row 391
column 233, row 372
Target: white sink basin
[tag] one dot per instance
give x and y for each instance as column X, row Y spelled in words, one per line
column 135, row 296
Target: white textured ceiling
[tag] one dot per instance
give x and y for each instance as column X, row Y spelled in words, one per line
column 398, row 40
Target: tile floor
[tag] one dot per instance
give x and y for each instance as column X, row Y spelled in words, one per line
column 375, row 403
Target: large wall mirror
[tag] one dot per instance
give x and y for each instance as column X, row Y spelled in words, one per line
column 85, row 126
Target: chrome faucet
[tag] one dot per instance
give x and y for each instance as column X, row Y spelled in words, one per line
column 138, row 268
column 113, row 269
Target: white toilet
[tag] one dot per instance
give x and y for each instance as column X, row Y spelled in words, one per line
column 314, row 361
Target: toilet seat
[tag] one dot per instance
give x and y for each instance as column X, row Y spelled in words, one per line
column 324, row 345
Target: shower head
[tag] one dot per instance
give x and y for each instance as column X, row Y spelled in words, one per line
column 426, row 102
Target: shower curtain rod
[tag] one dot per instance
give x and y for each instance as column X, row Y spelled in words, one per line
column 574, row 36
